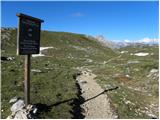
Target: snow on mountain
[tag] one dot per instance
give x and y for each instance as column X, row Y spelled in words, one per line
column 119, row 44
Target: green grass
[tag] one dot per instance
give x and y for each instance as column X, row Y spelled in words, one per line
column 56, row 84
column 45, row 87
column 106, row 75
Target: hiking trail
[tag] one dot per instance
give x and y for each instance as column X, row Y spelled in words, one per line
column 96, row 104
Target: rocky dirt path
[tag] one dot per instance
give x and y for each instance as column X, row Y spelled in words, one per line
column 96, row 103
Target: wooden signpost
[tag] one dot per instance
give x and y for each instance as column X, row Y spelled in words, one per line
column 28, row 42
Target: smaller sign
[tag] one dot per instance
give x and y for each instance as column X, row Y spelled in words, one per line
column 28, row 40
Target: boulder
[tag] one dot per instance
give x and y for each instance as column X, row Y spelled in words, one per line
column 17, row 106
column 19, row 111
column 13, row 100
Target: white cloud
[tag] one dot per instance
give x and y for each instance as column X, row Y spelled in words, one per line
column 127, row 40
column 148, row 40
column 143, row 40
column 77, row 14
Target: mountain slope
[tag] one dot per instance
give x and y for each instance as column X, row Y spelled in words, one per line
column 53, row 84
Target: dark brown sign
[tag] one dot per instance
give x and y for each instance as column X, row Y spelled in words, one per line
column 28, row 41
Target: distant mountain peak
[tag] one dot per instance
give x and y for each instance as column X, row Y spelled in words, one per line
column 105, row 42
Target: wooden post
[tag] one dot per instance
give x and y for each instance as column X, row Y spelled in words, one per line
column 28, row 43
column 27, row 79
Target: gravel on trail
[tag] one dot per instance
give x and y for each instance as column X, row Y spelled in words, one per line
column 96, row 104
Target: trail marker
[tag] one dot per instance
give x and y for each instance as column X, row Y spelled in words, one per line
column 28, row 42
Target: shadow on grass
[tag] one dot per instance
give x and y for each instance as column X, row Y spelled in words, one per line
column 74, row 102
column 47, row 108
column 77, row 110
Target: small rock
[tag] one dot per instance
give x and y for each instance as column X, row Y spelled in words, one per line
column 36, row 70
column 83, row 82
column 10, row 58
column 154, row 71
column 127, row 102
column 152, row 116
column 19, row 111
column 13, row 100
column 146, row 108
column 10, row 117
column 127, row 76
column 17, row 106
column 35, row 110
column 109, row 86
column 7, row 58
column 89, row 60
column 22, row 114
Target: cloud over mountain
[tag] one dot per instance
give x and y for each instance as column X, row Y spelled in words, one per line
column 148, row 40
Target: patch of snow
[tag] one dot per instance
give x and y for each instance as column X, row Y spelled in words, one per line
column 45, row 48
column 41, row 49
column 124, row 52
column 38, row 55
column 141, row 54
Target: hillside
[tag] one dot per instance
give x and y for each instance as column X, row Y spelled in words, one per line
column 53, row 85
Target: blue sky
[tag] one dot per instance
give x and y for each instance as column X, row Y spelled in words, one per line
column 115, row 20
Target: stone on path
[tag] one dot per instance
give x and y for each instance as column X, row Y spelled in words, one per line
column 96, row 104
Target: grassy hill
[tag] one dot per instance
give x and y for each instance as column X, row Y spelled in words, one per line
column 54, row 87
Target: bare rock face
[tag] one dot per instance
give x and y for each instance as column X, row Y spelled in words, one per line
column 105, row 42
